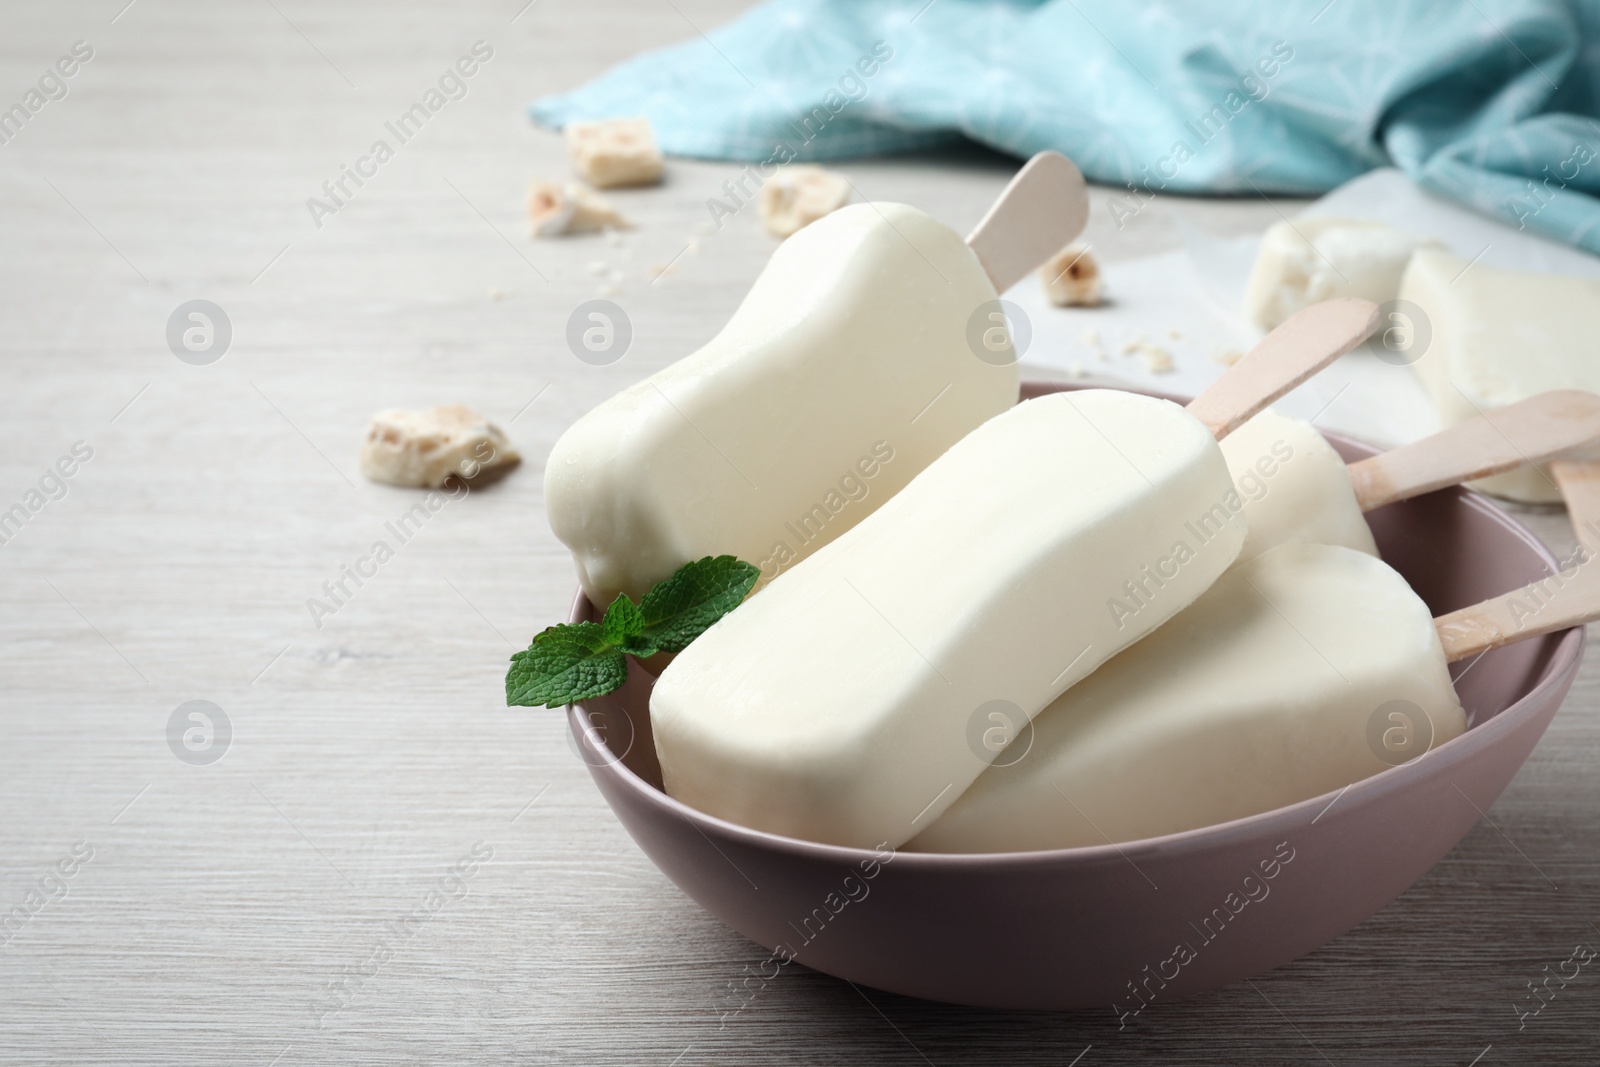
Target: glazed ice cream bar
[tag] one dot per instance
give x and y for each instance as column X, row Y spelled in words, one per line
column 1487, row 337
column 845, row 371
column 870, row 344
column 835, row 704
column 1296, row 488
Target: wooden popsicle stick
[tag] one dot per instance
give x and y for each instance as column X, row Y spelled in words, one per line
column 1579, row 480
column 1566, row 598
column 1542, row 607
column 1303, row 344
column 1529, row 431
column 1045, row 206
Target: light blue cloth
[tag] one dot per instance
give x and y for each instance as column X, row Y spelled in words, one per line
column 1491, row 102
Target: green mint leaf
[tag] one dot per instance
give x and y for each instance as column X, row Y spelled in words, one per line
column 565, row 664
column 642, row 647
column 681, row 608
column 623, row 620
column 624, row 626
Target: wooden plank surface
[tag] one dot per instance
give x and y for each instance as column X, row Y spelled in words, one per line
column 211, row 907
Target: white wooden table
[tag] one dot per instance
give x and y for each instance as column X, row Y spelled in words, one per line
column 213, row 909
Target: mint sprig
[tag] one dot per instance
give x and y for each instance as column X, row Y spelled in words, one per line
column 579, row 660
column 566, row 663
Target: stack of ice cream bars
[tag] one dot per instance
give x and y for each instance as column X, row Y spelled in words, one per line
column 1094, row 616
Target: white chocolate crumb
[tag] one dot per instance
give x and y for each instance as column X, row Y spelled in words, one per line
column 424, row 448
column 1091, row 338
column 1226, row 356
column 554, row 209
column 609, row 290
column 1157, row 360
column 595, row 267
column 614, row 152
column 799, row 195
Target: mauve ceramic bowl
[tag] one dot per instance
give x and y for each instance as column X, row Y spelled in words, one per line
column 1103, row 926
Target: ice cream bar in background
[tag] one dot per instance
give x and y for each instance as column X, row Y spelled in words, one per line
column 1299, row 672
column 1322, row 257
column 1482, row 338
column 834, row 704
column 869, row 345
column 1296, row 488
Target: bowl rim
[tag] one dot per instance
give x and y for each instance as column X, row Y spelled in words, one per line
column 1563, row 664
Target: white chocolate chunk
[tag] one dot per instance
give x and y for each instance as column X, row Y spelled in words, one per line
column 1299, row 672
column 838, row 704
column 614, row 152
column 1491, row 337
column 424, row 448
column 555, row 208
column 1295, row 487
column 1157, row 360
column 799, row 195
column 1071, row 277
column 1314, row 259
column 846, row 370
